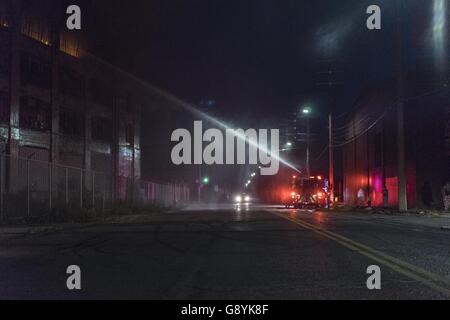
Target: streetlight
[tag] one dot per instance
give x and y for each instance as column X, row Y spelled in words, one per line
column 306, row 111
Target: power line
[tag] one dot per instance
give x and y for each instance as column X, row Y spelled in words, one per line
column 362, row 133
column 349, row 126
column 322, row 153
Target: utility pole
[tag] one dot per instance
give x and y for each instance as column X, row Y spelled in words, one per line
column 402, row 196
column 331, row 82
column 331, row 157
column 308, row 137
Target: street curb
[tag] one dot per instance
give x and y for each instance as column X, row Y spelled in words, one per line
column 37, row 230
column 25, row 230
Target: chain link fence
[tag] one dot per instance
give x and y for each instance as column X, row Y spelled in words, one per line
column 33, row 189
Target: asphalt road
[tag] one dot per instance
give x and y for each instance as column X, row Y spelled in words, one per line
column 224, row 253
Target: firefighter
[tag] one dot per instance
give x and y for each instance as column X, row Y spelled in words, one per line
column 446, row 196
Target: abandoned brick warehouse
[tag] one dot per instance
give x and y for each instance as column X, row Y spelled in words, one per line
column 60, row 105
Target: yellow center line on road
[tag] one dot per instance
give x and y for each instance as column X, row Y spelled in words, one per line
column 432, row 280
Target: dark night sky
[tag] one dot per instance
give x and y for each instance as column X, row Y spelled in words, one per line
column 251, row 56
column 259, row 59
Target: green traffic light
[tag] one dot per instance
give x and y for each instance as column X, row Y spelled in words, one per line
column 206, row 180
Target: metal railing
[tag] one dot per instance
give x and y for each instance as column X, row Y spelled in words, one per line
column 31, row 189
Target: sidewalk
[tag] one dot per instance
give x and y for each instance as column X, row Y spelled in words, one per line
column 394, row 212
column 429, row 218
column 22, row 231
column 415, row 212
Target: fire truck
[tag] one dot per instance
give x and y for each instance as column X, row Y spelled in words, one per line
column 309, row 192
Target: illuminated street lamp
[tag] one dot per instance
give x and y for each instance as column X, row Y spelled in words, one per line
column 306, row 110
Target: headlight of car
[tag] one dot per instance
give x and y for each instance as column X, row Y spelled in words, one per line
column 247, row 199
column 238, row 199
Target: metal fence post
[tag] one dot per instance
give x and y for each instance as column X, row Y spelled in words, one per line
column 50, row 185
column 67, row 185
column 112, row 191
column 2, row 208
column 104, row 193
column 93, row 189
column 132, row 191
column 81, row 188
column 28, row 188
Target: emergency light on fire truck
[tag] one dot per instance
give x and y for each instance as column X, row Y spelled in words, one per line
column 308, row 193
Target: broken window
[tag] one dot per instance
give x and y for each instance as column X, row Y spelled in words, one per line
column 36, row 29
column 129, row 134
column 4, row 107
column 102, row 129
column 34, row 114
column 35, row 71
column 71, row 122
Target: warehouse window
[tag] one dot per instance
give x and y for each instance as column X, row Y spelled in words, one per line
column 128, row 104
column 71, row 84
column 447, row 132
column 4, row 22
column 35, row 71
column 34, row 114
column 36, row 29
column 100, row 93
column 71, row 122
column 69, row 44
column 4, row 15
column 102, row 129
column 100, row 162
column 4, row 107
column 129, row 134
column 4, row 54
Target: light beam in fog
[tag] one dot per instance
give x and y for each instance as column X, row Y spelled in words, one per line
column 439, row 32
column 240, row 136
column 194, row 110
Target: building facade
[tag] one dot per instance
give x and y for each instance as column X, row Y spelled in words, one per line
column 370, row 166
column 61, row 105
